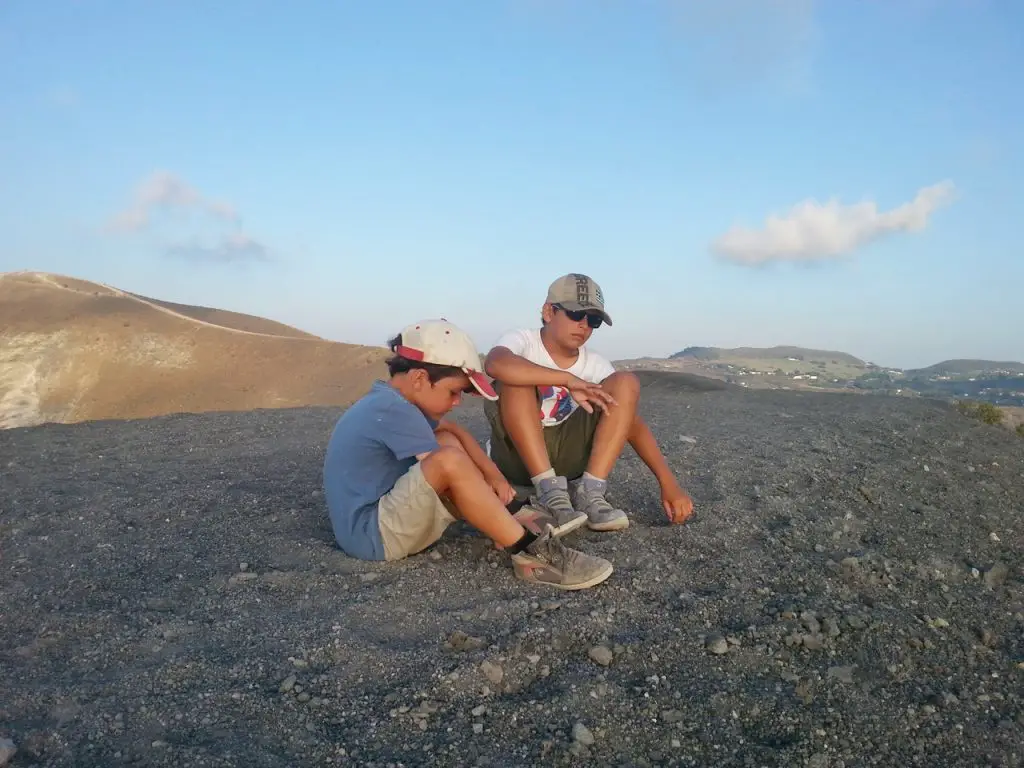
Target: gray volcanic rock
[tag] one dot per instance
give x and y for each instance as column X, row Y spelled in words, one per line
column 869, row 614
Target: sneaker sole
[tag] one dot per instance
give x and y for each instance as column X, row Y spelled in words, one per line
column 572, row 525
column 612, row 525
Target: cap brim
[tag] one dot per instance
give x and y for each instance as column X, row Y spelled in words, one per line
column 576, row 306
column 481, row 384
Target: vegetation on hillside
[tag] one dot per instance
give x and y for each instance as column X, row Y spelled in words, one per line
column 985, row 412
column 966, row 368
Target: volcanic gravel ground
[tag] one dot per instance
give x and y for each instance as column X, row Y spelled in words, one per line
column 848, row 593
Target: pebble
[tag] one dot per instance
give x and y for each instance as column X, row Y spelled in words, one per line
column 478, row 728
column 813, row 642
column 368, row 577
column 479, row 710
column 601, row 655
column 996, row 575
column 582, row 735
column 493, row 672
column 434, row 555
column 716, row 644
column 288, row 684
column 7, row 751
column 460, row 641
column 842, row 674
column 303, row 697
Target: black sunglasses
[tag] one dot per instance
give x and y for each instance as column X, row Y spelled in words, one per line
column 593, row 320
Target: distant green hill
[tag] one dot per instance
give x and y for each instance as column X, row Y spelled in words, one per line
column 768, row 353
column 966, row 367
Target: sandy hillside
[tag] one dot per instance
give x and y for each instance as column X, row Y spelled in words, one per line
column 72, row 350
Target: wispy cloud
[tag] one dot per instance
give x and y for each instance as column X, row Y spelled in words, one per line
column 164, row 195
column 813, row 231
column 232, row 248
column 164, row 191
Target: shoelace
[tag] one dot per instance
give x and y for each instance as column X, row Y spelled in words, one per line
column 557, row 502
column 595, row 502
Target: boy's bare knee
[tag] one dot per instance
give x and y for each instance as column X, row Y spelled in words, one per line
column 448, row 440
column 448, row 461
column 623, row 384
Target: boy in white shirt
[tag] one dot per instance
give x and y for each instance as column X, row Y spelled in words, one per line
column 564, row 414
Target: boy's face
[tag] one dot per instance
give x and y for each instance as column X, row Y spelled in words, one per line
column 565, row 330
column 438, row 398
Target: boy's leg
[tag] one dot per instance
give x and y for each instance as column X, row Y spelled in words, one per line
column 605, row 446
column 524, row 451
column 449, row 472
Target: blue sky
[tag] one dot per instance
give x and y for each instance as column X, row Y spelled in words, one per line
column 843, row 174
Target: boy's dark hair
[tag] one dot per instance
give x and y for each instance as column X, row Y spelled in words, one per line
column 398, row 364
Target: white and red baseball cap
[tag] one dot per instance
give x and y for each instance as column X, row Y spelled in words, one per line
column 442, row 343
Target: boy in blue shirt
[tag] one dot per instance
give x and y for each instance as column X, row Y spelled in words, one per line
column 396, row 475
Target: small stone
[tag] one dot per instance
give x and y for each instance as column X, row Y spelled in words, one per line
column 434, row 555
column 7, row 751
column 601, row 655
column 533, row 658
column 493, row 672
column 716, row 644
column 478, row 728
column 460, row 641
column 818, row 760
column 676, row 744
column 288, row 684
column 813, row 642
column 366, row 578
column 842, row 674
column 244, row 576
column 243, row 566
column 300, row 663
column 810, row 620
column 672, row 715
column 479, row 710
column 996, row 575
column 582, row 735
column 831, row 627
column 303, row 697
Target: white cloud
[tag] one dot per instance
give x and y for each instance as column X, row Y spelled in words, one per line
column 166, row 192
column 235, row 247
column 813, row 231
column 163, row 190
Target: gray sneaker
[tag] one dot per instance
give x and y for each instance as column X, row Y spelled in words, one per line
column 588, row 498
column 554, row 499
column 548, row 561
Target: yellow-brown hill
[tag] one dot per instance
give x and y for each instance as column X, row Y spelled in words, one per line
column 73, row 350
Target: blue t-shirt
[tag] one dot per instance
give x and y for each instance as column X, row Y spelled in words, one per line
column 374, row 443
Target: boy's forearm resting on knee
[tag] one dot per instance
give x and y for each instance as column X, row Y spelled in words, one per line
column 515, row 371
column 646, row 447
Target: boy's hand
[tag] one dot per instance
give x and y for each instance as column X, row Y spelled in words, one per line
column 502, row 489
column 678, row 505
column 589, row 395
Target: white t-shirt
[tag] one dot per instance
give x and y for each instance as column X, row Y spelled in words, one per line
column 556, row 404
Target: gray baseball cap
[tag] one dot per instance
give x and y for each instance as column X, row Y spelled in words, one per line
column 578, row 292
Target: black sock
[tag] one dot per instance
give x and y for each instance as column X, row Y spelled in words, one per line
column 526, row 540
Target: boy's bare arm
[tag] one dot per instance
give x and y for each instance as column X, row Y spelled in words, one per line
column 514, row 370
column 509, row 368
column 488, row 468
column 676, row 502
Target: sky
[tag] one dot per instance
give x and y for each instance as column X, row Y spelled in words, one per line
column 839, row 174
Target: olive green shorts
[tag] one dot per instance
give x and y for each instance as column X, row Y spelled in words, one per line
column 568, row 444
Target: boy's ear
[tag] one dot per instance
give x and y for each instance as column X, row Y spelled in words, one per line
column 420, row 378
column 547, row 313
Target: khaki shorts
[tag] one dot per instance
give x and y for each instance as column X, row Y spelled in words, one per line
column 411, row 516
column 569, row 444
